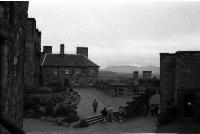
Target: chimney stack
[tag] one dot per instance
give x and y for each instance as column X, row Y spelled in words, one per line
column 136, row 78
column 62, row 49
column 82, row 50
column 147, row 74
column 47, row 49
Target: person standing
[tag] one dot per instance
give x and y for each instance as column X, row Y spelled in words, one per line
column 121, row 114
column 95, row 105
column 104, row 113
column 110, row 111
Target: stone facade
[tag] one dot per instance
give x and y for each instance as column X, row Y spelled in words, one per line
column 32, row 54
column 69, row 70
column 179, row 77
column 13, row 16
column 70, row 76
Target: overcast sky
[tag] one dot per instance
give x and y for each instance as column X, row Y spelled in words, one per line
column 119, row 32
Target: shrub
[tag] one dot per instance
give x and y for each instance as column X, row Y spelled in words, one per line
column 38, row 90
column 49, row 109
column 71, row 118
column 65, row 110
column 82, row 123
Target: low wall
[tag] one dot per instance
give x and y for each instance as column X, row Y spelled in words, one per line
column 117, row 90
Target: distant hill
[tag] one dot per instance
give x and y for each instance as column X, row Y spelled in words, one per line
column 128, row 70
column 109, row 74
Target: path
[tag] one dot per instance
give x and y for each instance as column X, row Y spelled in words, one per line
column 89, row 94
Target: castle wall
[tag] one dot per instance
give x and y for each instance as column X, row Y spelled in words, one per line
column 167, row 79
column 32, row 54
column 179, row 77
column 12, row 41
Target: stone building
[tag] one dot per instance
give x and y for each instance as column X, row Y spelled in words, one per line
column 32, row 54
column 179, row 82
column 69, row 70
column 146, row 82
column 13, row 16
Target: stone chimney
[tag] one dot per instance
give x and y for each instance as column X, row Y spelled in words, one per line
column 82, row 50
column 62, row 49
column 147, row 74
column 136, row 78
column 47, row 49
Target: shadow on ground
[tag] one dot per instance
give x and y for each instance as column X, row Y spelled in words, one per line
column 180, row 127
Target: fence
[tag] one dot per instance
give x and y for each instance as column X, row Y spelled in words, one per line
column 117, row 90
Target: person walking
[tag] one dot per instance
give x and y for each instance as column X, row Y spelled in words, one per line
column 110, row 111
column 95, row 105
column 121, row 114
column 104, row 113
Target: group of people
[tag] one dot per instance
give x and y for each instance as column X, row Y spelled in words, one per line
column 108, row 111
column 153, row 110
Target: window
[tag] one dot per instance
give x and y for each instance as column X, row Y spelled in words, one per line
column 90, row 82
column 77, row 71
column 66, row 71
column 77, row 81
column 56, row 71
column 15, row 61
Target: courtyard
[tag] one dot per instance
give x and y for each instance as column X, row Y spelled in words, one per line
column 135, row 125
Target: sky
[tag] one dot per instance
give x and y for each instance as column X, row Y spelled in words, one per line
column 119, row 32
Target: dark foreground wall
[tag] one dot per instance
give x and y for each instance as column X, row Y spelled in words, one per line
column 13, row 17
column 179, row 82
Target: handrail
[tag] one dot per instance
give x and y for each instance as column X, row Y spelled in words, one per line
column 11, row 127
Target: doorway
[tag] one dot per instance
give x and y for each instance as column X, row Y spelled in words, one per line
column 66, row 84
column 189, row 105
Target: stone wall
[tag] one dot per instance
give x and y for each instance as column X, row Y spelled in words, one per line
column 13, row 17
column 167, row 79
column 32, row 54
column 187, row 77
column 179, row 78
column 70, row 76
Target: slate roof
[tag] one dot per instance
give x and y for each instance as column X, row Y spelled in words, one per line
column 67, row 60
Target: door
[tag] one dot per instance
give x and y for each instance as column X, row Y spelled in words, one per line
column 189, row 105
column 66, row 84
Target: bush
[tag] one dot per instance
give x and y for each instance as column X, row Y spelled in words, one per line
column 49, row 109
column 37, row 90
column 30, row 102
column 57, row 87
column 71, row 118
column 65, row 110
column 82, row 123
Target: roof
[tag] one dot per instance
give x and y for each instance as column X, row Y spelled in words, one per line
column 67, row 60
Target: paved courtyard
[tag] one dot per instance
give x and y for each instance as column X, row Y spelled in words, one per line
column 136, row 125
column 89, row 94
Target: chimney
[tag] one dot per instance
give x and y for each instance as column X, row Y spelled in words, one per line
column 147, row 74
column 47, row 49
column 62, row 49
column 82, row 50
column 136, row 78
column 135, row 74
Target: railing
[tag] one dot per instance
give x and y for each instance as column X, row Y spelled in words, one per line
column 99, row 118
column 11, row 127
column 117, row 90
